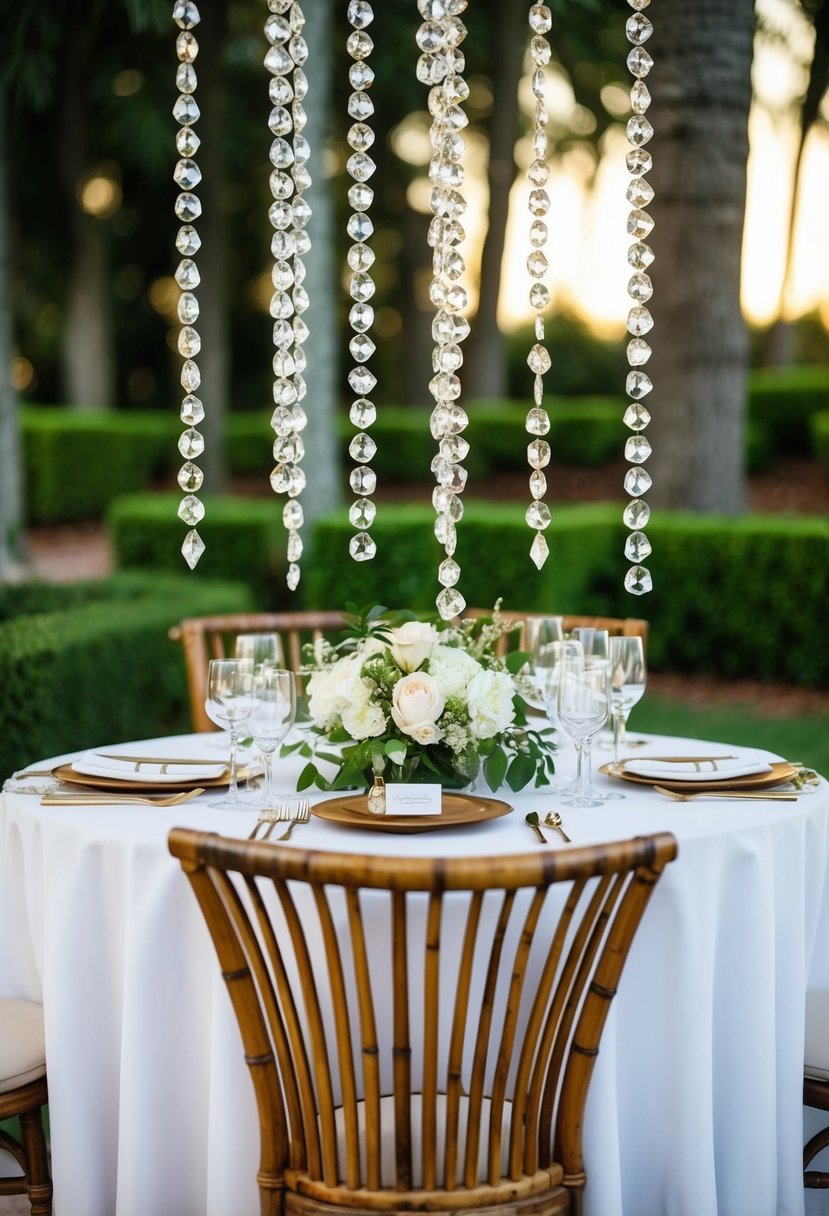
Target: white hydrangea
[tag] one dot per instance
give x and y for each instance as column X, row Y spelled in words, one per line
column 452, row 669
column 363, row 720
column 489, row 699
column 329, row 690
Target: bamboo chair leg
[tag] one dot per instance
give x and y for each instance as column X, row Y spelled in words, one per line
column 39, row 1187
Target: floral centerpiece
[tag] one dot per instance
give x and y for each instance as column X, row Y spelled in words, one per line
column 420, row 701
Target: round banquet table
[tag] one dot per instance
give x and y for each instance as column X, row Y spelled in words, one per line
column 695, row 1107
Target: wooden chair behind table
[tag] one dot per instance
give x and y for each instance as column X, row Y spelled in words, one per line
column 615, row 626
column 404, row 1055
column 816, row 1081
column 23, row 1094
column 212, row 637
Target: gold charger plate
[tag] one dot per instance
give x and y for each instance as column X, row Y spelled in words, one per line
column 65, row 772
column 457, row 810
column 781, row 772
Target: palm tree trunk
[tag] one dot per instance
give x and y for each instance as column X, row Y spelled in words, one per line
column 701, row 86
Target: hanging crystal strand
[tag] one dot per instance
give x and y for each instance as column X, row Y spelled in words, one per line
column 360, row 166
column 289, row 215
column 640, row 256
column 441, row 65
column 538, row 422
column 187, row 176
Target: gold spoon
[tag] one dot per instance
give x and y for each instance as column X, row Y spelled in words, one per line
column 553, row 820
column 770, row 795
column 532, row 820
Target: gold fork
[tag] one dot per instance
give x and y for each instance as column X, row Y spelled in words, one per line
column 269, row 816
column 769, row 795
column 300, row 814
column 100, row 799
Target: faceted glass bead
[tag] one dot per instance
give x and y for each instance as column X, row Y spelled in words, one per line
column 361, row 380
column 186, row 78
column 281, row 215
column 187, row 48
column 447, row 358
column 361, row 347
column 283, row 363
column 454, row 448
column 639, row 130
column 284, row 392
column 288, row 479
column 538, row 233
column 638, row 29
column 191, row 444
column 301, row 213
column 445, row 387
column 431, row 69
column 191, row 509
column 450, row 603
column 300, row 419
column 298, row 50
column 301, row 330
column 538, row 422
column 186, row 14
column 639, row 4
column 636, row 514
column 430, row 37
column 282, row 275
column 277, row 29
column 360, row 227
column 638, row 161
column 638, row 385
column 300, row 119
column 293, row 550
column 639, row 192
column 637, row 481
column 453, row 264
column 282, row 421
column 278, row 61
column 539, row 142
column 289, row 450
column 538, row 172
column 540, row 19
column 361, row 318
column 539, row 551
column 292, row 514
column 637, row 449
column 640, row 255
column 281, row 154
column 446, row 328
column 190, row 477
column 360, row 106
column 361, row 547
column 187, row 142
column 302, row 149
column 639, row 62
column 638, row 352
column 363, row 413
column 300, row 82
column 538, row 484
column 447, row 502
column 296, row 17
column 281, row 305
column 640, row 97
column 637, row 547
column 446, row 534
column 303, row 241
column 538, row 454
column 360, row 76
column 300, row 299
column 540, row 51
column 638, row 580
column 283, row 245
column 360, row 196
column 188, row 207
column 293, row 576
column 187, row 174
column 280, row 91
column 539, row 82
column 186, row 111
column 538, row 515
column 448, row 572
column 192, row 548
column 362, row 448
column 361, row 514
column 539, row 202
column 360, row 14
column 281, row 185
column 455, row 32
column 190, row 376
column 538, row 324
column 538, row 359
column 539, row 296
column 359, row 45
column 192, row 410
column 363, row 480
column 188, row 308
column 640, row 322
column 361, row 287
column 538, row 390
column 640, row 288
column 456, row 298
column 360, row 137
column 188, row 240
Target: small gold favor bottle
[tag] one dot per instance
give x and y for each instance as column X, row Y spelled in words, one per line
column 377, row 797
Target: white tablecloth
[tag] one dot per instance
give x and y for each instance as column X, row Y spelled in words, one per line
column 695, row 1107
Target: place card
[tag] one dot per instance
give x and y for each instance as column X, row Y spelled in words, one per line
column 412, row 799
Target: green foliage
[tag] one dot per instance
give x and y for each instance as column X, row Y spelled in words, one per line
column 99, row 668
column 244, row 539
column 820, row 438
column 784, row 400
column 77, row 462
column 583, row 363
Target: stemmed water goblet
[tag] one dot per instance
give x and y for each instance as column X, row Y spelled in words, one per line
column 272, row 717
column 546, row 667
column 627, row 683
column 229, row 703
column 583, row 703
column 260, row 648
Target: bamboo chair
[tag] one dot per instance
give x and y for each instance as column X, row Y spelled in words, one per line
column 405, row 1056
column 816, row 1082
column 615, row 626
column 23, row 1093
column 209, row 637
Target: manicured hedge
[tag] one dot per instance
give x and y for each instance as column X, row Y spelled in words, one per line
column 100, row 669
column 820, row 438
column 785, row 400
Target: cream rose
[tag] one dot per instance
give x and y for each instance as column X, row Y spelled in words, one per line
column 411, row 644
column 417, row 703
column 489, row 698
column 328, row 691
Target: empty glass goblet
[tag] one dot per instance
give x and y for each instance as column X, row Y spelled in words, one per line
column 229, row 703
column 260, row 648
column 273, row 714
column 583, row 707
column 627, row 684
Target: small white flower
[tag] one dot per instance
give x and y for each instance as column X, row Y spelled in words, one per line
column 489, row 698
column 364, row 720
column 452, row 669
column 426, row 733
column 328, row 690
column 411, row 644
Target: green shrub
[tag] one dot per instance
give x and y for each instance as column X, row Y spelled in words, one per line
column 820, row 438
column 249, row 442
column 244, row 539
column 760, row 447
column 785, row 400
column 583, row 363
column 101, row 669
column 76, row 463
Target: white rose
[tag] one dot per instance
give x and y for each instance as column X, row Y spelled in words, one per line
column 489, row 699
column 411, row 644
column 417, row 703
column 452, row 668
column 364, row 721
column 328, row 690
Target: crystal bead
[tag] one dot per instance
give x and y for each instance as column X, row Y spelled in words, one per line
column 361, row 380
column 190, row 376
column 640, row 97
column 539, row 202
column 637, row 449
column 637, row 481
column 540, row 19
column 278, row 61
column 447, row 502
column 447, row 358
column 638, row 161
column 300, row 119
column 447, row 420
column 636, row 417
column 363, row 413
column 289, row 450
column 538, row 233
column 186, row 14
column 538, row 172
column 446, row 533
column 432, row 10
column 298, row 50
column 431, row 69
column 639, row 62
column 360, row 75
column 281, row 184
column 538, row 484
column 638, row 29
column 188, row 311
column 361, row 513
column 302, row 149
column 456, row 298
column 281, row 153
column 640, row 255
column 449, row 474
column 540, row 51
column 360, row 106
column 638, row 384
column 450, row 603
column 301, row 330
column 191, row 443
column 539, row 82
column 300, row 83
column 538, row 360
column 430, row 37
column 639, row 130
column 454, row 448
column 359, row 45
column 187, row 142
column 361, row 196
column 292, row 577
column 445, row 387
column 637, row 547
column 453, row 264
column 362, row 448
column 539, row 551
column 277, row 29
column 538, row 390
column 636, row 514
column 363, row 480
column 361, row 348
column 640, row 288
column 300, row 299
column 281, row 215
column 283, row 245
column 638, row 352
column 292, row 514
column 190, row 477
column 639, row 192
column 361, row 318
column 446, row 328
column 293, row 550
column 538, row 422
column 538, row 515
column 361, row 547
column 538, row 454
column 303, row 241
column 186, row 78
column 360, row 227
column 301, row 212
column 187, row 174
column 188, row 241
column 191, row 510
column 188, row 207
column 539, row 142
column 288, row 479
column 192, row 548
column 280, row 91
column 538, row 324
column 537, row 263
column 639, row 4
column 187, row 48
column 301, row 390
column 282, row 275
column 192, row 410
column 638, row 580
column 282, row 420
column 361, row 287
column 639, row 322
column 360, row 137
column 284, row 392
column 281, row 305
column 448, row 572
column 539, row 296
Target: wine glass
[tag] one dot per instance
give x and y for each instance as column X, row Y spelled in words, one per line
column 273, row 715
column 627, row 684
column 546, row 667
column 594, row 642
column 539, row 632
column 229, row 703
column 583, row 706
column 260, row 648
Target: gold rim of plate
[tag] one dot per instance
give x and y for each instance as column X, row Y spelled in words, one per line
column 457, row 810
column 65, row 772
column 781, row 772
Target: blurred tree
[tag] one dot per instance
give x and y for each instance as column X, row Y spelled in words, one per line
column 11, row 489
